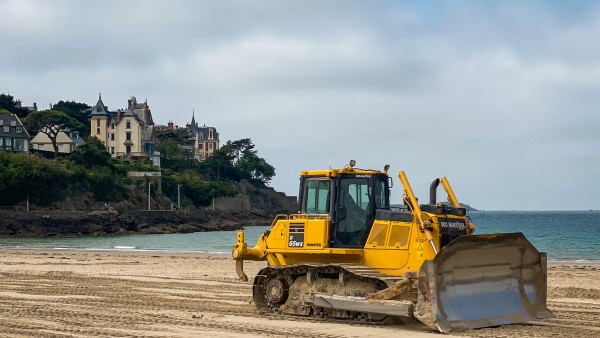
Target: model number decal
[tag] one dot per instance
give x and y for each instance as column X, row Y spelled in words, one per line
column 296, row 239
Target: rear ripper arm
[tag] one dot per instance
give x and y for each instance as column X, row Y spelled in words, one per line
column 242, row 252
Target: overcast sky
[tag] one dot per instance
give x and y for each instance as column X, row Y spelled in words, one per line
column 501, row 97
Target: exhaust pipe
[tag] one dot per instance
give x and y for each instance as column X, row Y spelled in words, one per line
column 433, row 191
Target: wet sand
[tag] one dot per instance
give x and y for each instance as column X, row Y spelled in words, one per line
column 107, row 294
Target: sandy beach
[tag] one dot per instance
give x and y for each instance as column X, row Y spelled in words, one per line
column 108, row 294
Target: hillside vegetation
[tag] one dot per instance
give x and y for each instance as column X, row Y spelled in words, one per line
column 90, row 175
column 90, row 172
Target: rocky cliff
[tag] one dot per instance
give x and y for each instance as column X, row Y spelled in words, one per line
column 84, row 215
column 111, row 222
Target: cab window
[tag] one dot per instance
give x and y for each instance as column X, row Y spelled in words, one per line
column 317, row 197
column 380, row 195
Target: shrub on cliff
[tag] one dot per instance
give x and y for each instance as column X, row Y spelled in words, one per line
column 195, row 188
column 22, row 175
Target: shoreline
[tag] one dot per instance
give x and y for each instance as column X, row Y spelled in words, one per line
column 118, row 252
column 207, row 253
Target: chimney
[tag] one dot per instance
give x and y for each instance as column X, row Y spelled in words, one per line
column 18, row 104
column 170, row 125
column 34, row 106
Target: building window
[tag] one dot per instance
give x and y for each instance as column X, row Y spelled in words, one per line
column 210, row 146
column 19, row 144
column 112, row 136
column 128, row 150
column 128, row 124
column 112, row 125
column 18, row 129
column 97, row 123
column 210, row 134
column 128, row 136
column 6, row 129
column 41, row 147
column 97, row 131
column 112, row 150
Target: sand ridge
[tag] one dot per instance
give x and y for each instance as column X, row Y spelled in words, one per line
column 115, row 294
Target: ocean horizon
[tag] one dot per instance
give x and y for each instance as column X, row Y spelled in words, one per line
column 570, row 236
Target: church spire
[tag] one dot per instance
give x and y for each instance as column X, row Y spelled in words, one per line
column 193, row 123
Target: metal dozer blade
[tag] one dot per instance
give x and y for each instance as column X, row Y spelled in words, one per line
column 481, row 281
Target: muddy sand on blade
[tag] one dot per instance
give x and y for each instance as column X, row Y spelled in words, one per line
column 102, row 294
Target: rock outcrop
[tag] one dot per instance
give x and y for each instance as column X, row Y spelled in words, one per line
column 112, row 222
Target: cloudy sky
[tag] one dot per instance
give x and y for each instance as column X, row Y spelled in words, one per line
column 501, row 97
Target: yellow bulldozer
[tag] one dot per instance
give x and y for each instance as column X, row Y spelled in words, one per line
column 347, row 254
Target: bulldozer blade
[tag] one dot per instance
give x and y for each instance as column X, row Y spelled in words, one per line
column 482, row 281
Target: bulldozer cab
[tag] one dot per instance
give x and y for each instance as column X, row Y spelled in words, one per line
column 349, row 199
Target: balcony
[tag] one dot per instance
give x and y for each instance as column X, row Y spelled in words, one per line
column 132, row 154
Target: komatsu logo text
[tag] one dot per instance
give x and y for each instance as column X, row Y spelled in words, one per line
column 453, row 225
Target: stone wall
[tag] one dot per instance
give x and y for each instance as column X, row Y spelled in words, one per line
column 240, row 202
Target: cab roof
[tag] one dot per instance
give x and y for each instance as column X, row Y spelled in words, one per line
column 335, row 172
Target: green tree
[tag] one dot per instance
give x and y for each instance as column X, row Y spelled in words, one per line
column 7, row 102
column 23, row 175
column 51, row 123
column 77, row 111
column 239, row 149
column 170, row 149
column 92, row 153
column 257, row 168
column 105, row 185
column 179, row 136
column 248, row 164
column 220, row 165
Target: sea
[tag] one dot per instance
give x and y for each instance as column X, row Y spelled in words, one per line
column 570, row 236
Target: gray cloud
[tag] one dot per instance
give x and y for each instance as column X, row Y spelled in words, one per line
column 500, row 97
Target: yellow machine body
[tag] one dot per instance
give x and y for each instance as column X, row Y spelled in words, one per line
column 346, row 227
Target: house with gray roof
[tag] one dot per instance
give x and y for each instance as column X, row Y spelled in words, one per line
column 67, row 141
column 13, row 136
column 127, row 133
column 206, row 139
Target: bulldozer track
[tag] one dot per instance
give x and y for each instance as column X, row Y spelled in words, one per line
column 346, row 272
